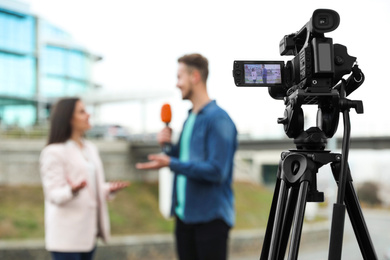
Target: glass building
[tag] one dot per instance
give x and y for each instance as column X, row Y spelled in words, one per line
column 39, row 62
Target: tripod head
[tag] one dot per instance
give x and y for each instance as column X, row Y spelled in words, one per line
column 330, row 104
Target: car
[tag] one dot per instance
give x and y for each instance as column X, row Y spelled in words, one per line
column 108, row 132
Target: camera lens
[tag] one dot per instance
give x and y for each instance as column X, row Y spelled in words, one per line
column 323, row 21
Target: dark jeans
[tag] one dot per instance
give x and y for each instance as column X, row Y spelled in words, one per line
column 206, row 241
column 73, row 256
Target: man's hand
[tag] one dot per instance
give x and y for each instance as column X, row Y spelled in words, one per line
column 164, row 136
column 118, row 185
column 156, row 161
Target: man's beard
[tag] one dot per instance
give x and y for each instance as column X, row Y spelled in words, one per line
column 188, row 95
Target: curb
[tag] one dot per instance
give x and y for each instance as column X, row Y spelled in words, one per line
column 159, row 246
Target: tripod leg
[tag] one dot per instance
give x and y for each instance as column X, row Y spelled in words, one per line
column 298, row 221
column 288, row 218
column 356, row 217
column 358, row 223
column 337, row 232
column 277, row 223
column 270, row 223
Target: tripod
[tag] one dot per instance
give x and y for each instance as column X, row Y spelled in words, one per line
column 297, row 182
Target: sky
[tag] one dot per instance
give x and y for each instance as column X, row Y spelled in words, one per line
column 140, row 42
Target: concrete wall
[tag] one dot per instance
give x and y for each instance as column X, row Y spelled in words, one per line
column 19, row 161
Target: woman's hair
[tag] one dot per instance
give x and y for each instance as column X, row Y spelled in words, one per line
column 60, row 117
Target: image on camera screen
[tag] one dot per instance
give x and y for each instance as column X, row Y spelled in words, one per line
column 261, row 74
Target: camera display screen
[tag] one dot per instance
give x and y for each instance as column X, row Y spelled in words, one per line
column 258, row 73
column 263, row 73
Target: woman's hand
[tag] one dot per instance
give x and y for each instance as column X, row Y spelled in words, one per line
column 77, row 187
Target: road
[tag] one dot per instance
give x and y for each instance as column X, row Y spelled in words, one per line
column 378, row 223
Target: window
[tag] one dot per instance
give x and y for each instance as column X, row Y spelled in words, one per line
column 77, row 65
column 17, row 33
column 52, row 87
column 17, row 75
column 21, row 115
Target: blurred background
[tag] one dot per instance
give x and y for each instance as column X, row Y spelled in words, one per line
column 121, row 56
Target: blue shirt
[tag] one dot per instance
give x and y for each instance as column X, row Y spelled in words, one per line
column 209, row 170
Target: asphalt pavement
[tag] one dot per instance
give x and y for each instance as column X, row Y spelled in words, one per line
column 378, row 224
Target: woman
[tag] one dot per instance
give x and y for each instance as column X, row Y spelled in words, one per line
column 73, row 184
column 254, row 75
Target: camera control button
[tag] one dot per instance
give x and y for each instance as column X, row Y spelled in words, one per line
column 339, row 60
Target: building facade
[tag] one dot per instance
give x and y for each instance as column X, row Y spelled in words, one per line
column 39, row 62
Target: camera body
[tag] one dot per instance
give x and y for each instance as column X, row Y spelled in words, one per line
column 318, row 63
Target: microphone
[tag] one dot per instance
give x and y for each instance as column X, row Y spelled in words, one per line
column 166, row 116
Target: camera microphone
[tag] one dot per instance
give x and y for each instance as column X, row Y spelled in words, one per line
column 166, row 116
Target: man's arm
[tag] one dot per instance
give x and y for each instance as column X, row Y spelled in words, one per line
column 221, row 146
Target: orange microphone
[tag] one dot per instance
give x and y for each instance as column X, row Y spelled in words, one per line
column 166, row 116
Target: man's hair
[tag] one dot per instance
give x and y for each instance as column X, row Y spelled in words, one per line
column 196, row 61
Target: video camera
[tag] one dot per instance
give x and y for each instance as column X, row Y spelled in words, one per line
column 310, row 77
column 318, row 63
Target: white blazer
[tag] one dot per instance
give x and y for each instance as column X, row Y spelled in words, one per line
column 72, row 222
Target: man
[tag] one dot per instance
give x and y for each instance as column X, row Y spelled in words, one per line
column 264, row 73
column 202, row 199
